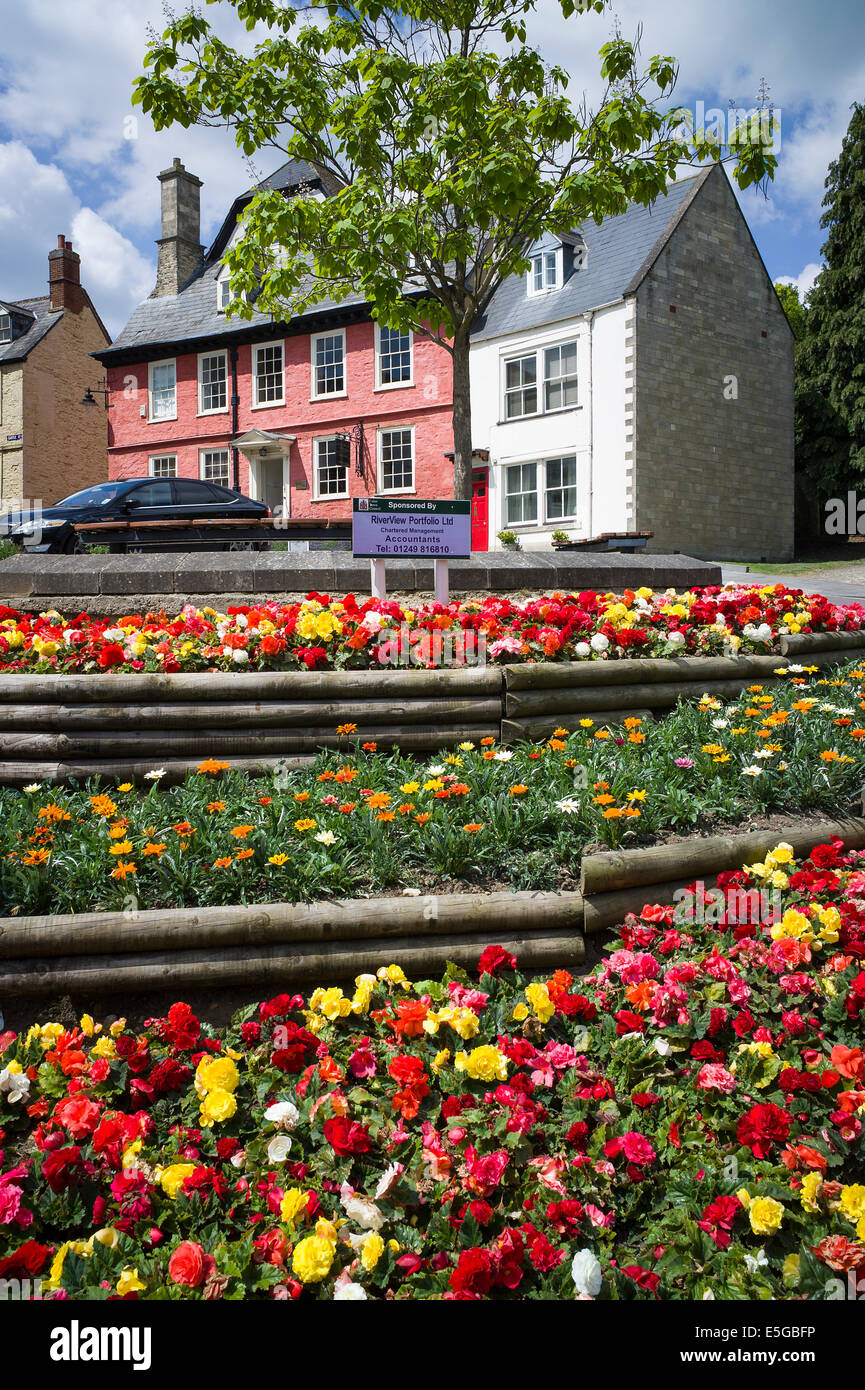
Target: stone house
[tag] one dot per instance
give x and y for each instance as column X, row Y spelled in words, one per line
column 303, row 415
column 50, row 444
column 640, row 378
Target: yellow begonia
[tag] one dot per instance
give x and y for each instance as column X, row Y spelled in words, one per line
column 852, row 1203
column 216, row 1074
column 217, row 1107
column 539, row 997
column 129, row 1282
column 765, row 1215
column 483, row 1064
column 173, row 1177
column 332, row 1003
column 294, row 1204
column 371, row 1251
column 312, row 1259
column 811, row 1184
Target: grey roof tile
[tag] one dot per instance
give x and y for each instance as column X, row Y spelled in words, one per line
column 44, row 320
column 620, row 251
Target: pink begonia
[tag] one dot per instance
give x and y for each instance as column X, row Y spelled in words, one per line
column 714, row 1077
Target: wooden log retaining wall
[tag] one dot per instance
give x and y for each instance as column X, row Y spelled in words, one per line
column 276, row 944
column 55, row 728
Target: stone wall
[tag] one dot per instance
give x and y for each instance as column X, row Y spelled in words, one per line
column 11, row 422
column 713, row 387
column 65, row 442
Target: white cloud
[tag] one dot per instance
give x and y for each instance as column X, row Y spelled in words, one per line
column 113, row 271
column 804, row 281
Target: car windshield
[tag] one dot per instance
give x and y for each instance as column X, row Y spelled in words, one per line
column 94, row 496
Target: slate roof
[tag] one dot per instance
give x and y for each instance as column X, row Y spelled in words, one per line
column 44, row 319
column 621, row 250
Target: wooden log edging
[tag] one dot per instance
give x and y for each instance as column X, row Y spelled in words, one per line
column 345, row 919
column 59, row 728
column 686, row 860
column 305, row 963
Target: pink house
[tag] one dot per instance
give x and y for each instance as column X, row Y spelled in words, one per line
column 303, row 415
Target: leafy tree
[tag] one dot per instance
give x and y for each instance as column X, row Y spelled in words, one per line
column 453, row 143
column 793, row 307
column 830, row 356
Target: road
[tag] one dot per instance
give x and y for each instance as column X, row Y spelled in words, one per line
column 843, row 585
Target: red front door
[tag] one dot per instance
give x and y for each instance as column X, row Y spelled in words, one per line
column 480, row 509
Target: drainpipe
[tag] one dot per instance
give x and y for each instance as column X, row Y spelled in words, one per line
column 589, row 430
column 235, row 402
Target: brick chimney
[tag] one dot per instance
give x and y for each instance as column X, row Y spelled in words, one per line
column 64, row 277
column 180, row 249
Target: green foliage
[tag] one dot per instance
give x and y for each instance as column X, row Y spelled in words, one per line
column 830, row 355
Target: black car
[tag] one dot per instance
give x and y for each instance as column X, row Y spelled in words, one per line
column 133, row 502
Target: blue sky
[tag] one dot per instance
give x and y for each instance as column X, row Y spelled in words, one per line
column 75, row 158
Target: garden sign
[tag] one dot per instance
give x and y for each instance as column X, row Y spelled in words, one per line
column 410, row 528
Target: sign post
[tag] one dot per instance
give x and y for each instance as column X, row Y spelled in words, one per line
column 411, row 528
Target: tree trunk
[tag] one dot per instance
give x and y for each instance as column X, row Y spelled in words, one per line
column 462, row 419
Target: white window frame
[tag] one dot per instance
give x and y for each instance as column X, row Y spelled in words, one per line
column 318, row 496
column 392, row 385
column 256, row 349
column 545, row 259
column 217, row 449
column 314, row 340
column 217, row 409
column 151, row 461
column 520, row 356
column 543, row 378
column 395, row 491
column 540, row 355
column 5, row 328
column 151, row 367
column 223, row 290
column 543, row 521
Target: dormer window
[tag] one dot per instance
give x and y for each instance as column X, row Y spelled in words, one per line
column 223, row 293
column 546, row 271
column 5, row 328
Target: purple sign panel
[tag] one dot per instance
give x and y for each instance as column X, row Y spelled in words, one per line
column 394, row 526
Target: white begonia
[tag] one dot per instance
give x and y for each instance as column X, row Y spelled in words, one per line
column 350, row 1293
column 360, row 1209
column 239, row 656
column 279, row 1148
column 284, row 1114
column 677, row 639
column 583, row 649
column 15, row 1085
column 388, row 1178
column 586, row 1274
column 599, row 643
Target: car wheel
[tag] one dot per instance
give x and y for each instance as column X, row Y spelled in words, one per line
column 74, row 545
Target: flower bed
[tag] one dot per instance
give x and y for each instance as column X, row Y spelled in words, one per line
column 361, row 821
column 683, row 1123
column 323, row 632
